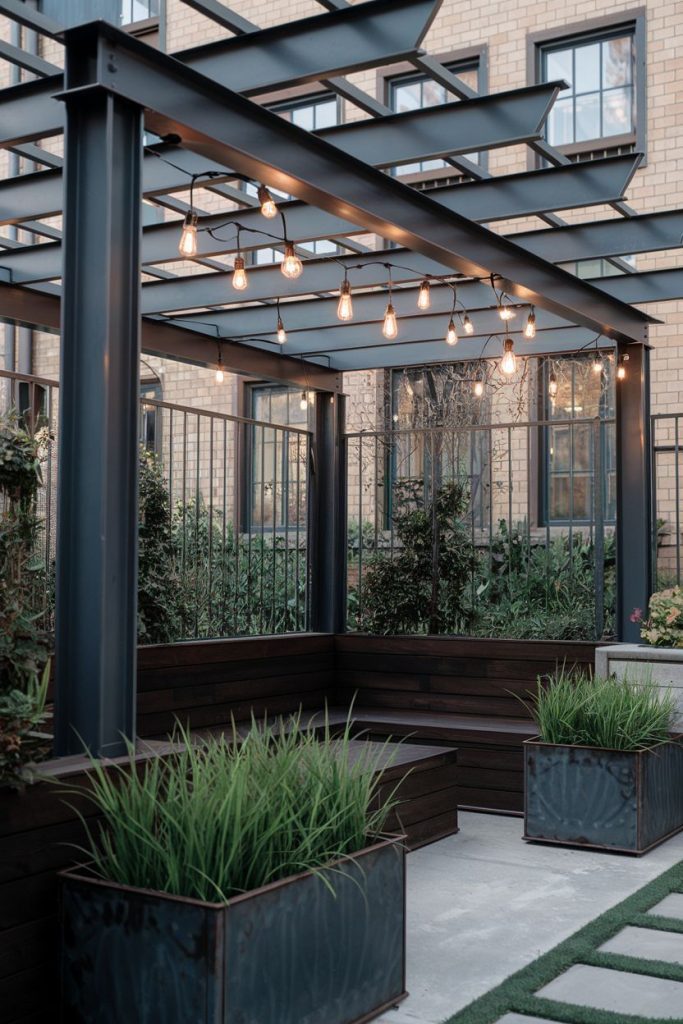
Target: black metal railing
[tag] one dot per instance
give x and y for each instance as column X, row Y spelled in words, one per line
column 223, row 517
column 666, row 432
column 505, row 529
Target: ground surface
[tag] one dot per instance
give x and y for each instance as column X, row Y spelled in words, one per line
column 484, row 903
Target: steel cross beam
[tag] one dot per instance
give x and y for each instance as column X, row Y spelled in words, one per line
column 648, row 286
column 364, row 36
column 490, row 122
column 227, row 127
column 514, row 195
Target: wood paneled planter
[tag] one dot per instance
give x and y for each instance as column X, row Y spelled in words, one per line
column 289, row 953
column 627, row 801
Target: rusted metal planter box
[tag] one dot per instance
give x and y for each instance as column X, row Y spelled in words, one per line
column 290, row 953
column 627, row 801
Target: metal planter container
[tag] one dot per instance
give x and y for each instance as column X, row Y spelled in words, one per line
column 289, row 953
column 627, row 801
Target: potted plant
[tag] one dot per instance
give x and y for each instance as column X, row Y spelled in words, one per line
column 606, row 770
column 660, row 657
column 237, row 883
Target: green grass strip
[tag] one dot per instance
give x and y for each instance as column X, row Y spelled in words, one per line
column 635, row 965
column 516, row 993
column 659, row 922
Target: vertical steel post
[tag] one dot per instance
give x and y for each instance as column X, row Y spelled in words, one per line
column 328, row 516
column 634, row 508
column 98, row 462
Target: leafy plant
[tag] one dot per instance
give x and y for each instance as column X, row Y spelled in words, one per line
column 422, row 588
column 22, row 713
column 220, row 818
column 578, row 709
column 664, row 624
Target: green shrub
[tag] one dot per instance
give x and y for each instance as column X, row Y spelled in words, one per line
column 664, row 624
column 575, row 708
column 217, row 819
column 22, row 713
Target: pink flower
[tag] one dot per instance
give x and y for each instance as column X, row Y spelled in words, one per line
column 636, row 615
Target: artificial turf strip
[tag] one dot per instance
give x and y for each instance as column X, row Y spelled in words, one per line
column 516, row 993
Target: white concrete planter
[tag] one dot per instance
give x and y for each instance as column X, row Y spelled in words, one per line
column 663, row 664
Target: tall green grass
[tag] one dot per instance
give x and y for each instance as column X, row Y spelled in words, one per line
column 617, row 714
column 219, row 818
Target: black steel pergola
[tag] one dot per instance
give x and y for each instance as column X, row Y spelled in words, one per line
column 203, row 106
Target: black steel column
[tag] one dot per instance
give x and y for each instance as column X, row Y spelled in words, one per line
column 100, row 351
column 328, row 515
column 634, row 510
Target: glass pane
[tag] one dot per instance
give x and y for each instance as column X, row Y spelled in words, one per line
column 559, row 497
column 560, row 123
column 470, row 76
column 582, row 448
column 326, row 114
column 580, row 497
column 407, row 97
column 558, row 64
column 617, row 118
column 617, row 59
column 560, row 449
column 588, row 117
column 433, row 94
column 587, row 68
column 303, row 117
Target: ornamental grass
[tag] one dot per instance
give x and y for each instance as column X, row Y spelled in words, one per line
column 577, row 709
column 219, row 818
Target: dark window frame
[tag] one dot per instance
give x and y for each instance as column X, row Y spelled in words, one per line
column 633, row 21
column 387, row 78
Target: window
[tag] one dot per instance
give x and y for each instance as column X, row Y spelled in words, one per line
column 600, row 104
column 150, row 416
column 275, row 492
column 416, row 92
column 573, row 449
column 438, row 396
column 139, row 10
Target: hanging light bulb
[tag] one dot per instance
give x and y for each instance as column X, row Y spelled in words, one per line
column 311, row 397
column 505, row 312
column 268, row 206
column 390, row 325
column 188, row 239
column 281, row 332
column 508, row 363
column 451, row 333
column 424, row 299
column 345, row 306
column 303, row 404
column 530, row 328
column 478, row 388
column 291, row 265
column 621, row 367
column 220, row 376
column 552, row 386
column 597, row 365
column 239, row 275
column 467, row 324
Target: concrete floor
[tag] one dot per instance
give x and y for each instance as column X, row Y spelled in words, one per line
column 484, row 903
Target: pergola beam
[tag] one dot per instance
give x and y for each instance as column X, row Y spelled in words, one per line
column 650, row 286
column 27, row 15
column 509, row 196
column 619, row 236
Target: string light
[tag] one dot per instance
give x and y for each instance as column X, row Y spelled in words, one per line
column 188, row 238
column 505, row 312
column 390, row 325
column 345, row 306
column 467, row 325
column 220, row 376
column 239, row 274
column 621, row 367
column 597, row 365
column 281, row 332
column 303, row 404
column 478, row 388
column 268, row 205
column 311, row 397
column 424, row 299
column 508, row 363
column 530, row 328
column 291, row 265
column 451, row 333
column 552, row 385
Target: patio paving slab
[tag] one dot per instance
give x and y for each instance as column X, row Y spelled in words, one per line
column 671, row 906
column 482, row 904
column 618, row 991
column 648, row 944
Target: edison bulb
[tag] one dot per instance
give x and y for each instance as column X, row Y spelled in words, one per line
column 188, row 239
column 268, row 206
column 505, row 313
column 597, row 366
column 239, row 276
column 390, row 325
column 467, row 324
column 220, row 376
column 530, row 329
column 281, row 332
column 508, row 363
column 479, row 388
column 291, row 265
column 345, row 306
column 451, row 334
column 552, row 386
column 303, row 404
column 621, row 371
column 424, row 300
